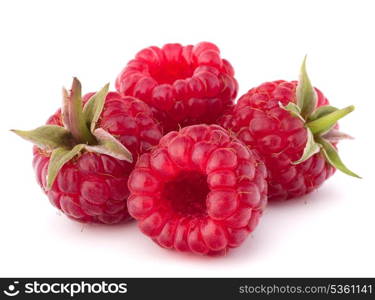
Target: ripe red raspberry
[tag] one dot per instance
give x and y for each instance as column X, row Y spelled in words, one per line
column 184, row 85
column 294, row 129
column 199, row 190
column 92, row 186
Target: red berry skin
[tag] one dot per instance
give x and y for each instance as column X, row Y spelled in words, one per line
column 279, row 138
column 200, row 190
column 93, row 187
column 185, row 85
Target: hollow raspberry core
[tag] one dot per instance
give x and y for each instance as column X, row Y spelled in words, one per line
column 171, row 71
column 199, row 190
column 187, row 193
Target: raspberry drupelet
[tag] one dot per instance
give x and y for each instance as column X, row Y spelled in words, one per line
column 184, row 85
column 200, row 190
column 91, row 186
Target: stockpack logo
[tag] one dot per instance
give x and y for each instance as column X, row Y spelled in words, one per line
column 71, row 289
column 12, row 289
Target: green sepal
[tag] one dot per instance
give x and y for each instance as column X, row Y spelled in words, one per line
column 59, row 158
column 78, row 134
column 319, row 123
column 333, row 157
column 65, row 108
column 305, row 93
column 335, row 135
column 326, row 122
column 73, row 116
column 47, row 137
column 94, row 107
column 109, row 145
column 311, row 148
column 293, row 109
column 321, row 111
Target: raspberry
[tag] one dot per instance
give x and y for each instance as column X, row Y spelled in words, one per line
column 184, row 85
column 268, row 119
column 92, row 186
column 199, row 190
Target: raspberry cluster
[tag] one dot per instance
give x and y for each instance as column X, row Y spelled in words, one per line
column 172, row 150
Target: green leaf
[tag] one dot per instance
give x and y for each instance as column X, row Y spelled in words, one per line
column 333, row 157
column 305, row 94
column 326, row 122
column 322, row 111
column 94, row 106
column 293, row 109
column 47, row 137
column 311, row 148
column 109, row 145
column 59, row 158
column 73, row 116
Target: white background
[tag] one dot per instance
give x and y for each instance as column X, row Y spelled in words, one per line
column 45, row 43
